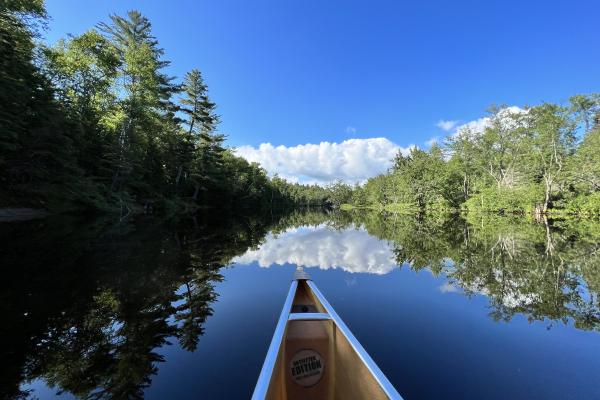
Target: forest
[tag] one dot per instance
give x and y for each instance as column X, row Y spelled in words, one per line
column 94, row 122
column 540, row 160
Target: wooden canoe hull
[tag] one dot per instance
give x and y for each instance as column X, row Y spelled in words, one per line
column 313, row 355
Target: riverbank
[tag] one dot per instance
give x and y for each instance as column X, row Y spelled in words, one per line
column 588, row 210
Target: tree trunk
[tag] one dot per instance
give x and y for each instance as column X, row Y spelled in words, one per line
column 115, row 179
column 178, row 178
column 547, row 198
column 549, row 241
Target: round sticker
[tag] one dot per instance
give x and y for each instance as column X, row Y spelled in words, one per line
column 307, row 367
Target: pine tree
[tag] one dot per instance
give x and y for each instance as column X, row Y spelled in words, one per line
column 202, row 122
column 147, row 104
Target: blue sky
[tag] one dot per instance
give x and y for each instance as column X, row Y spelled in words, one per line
column 297, row 72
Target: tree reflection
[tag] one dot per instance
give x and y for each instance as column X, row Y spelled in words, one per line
column 544, row 271
column 86, row 307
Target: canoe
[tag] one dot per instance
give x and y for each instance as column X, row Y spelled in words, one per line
column 313, row 354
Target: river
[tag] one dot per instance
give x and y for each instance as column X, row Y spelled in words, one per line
column 448, row 307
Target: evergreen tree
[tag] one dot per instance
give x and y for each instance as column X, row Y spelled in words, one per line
column 206, row 170
column 147, row 108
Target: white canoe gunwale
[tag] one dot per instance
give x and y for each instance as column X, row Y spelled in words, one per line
column 373, row 374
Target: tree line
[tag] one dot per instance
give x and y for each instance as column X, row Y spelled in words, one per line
column 540, row 160
column 95, row 122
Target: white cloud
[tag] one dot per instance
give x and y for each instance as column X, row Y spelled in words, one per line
column 432, row 141
column 475, row 126
column 446, row 125
column 478, row 126
column 448, row 288
column 353, row 160
column 352, row 250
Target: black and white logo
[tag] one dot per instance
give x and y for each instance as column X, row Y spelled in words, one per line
column 307, row 367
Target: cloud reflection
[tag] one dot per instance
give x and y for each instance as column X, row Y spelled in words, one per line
column 352, row 250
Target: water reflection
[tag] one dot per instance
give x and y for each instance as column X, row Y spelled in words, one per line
column 546, row 272
column 351, row 249
column 86, row 307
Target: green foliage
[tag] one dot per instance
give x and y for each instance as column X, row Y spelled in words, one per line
column 519, row 200
column 416, row 178
column 95, row 123
column 585, row 205
column 341, row 193
column 405, row 208
column 583, row 169
column 33, row 7
column 38, row 144
column 523, row 161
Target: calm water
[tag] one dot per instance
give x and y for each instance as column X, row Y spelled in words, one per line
column 448, row 308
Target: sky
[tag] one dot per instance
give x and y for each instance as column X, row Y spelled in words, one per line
column 325, row 90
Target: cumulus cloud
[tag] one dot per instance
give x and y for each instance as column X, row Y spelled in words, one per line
column 353, row 160
column 352, row 250
column 446, row 125
column 479, row 125
column 476, row 126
